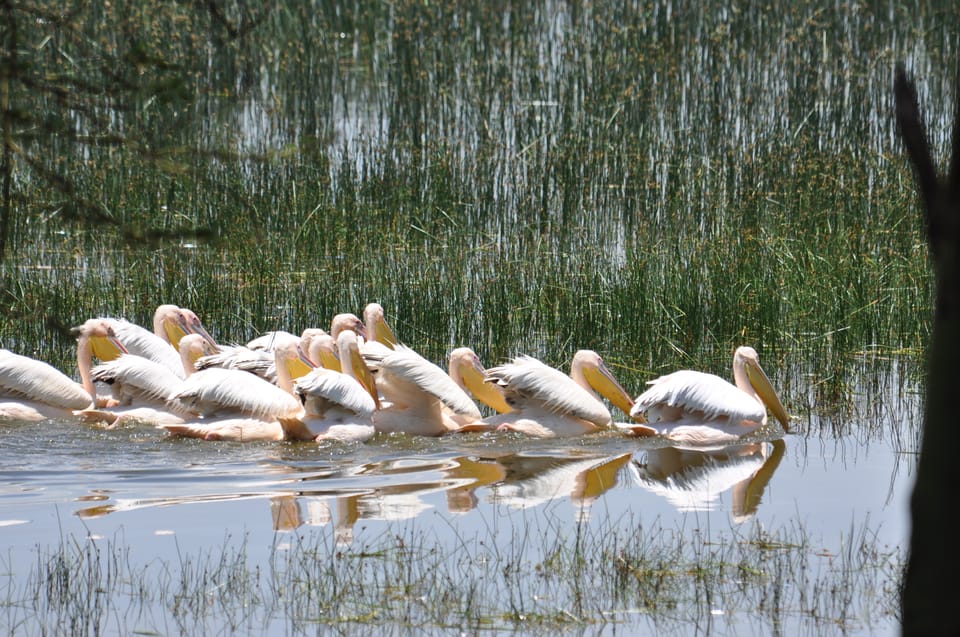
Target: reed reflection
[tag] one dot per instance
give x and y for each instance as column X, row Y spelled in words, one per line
column 694, row 480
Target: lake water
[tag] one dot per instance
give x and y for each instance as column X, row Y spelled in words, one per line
column 167, row 498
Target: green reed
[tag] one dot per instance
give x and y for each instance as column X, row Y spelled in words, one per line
column 657, row 183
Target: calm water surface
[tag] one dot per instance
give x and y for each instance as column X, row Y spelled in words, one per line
column 167, row 497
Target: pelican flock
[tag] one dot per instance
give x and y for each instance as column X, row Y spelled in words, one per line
column 358, row 380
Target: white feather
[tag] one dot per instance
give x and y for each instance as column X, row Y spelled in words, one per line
column 527, row 379
column 703, row 393
column 216, row 391
column 403, row 374
column 30, row 379
column 142, row 342
column 324, row 389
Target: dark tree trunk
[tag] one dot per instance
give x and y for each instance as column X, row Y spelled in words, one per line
column 931, row 587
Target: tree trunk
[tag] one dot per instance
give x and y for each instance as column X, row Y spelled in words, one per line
column 932, row 580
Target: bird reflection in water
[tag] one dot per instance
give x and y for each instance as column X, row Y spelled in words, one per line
column 694, row 480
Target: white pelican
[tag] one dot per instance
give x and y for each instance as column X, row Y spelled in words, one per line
column 33, row 390
column 215, row 391
column 415, row 392
column 337, row 405
column 547, row 403
column 168, row 323
column 140, row 386
column 236, row 405
column 697, row 409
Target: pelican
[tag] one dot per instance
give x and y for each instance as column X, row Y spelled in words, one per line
column 698, row 409
column 157, row 345
column 415, row 393
column 33, row 390
column 215, row 390
column 338, row 405
column 547, row 403
column 236, row 405
column 140, row 386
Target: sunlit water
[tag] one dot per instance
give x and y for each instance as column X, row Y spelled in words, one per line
column 166, row 498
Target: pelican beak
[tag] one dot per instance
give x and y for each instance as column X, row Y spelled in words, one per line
column 382, row 333
column 106, row 348
column 761, row 384
column 197, row 328
column 607, row 386
column 175, row 330
column 329, row 360
column 299, row 366
column 364, row 375
column 487, row 393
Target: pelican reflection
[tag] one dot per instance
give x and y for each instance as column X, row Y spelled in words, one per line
column 693, row 480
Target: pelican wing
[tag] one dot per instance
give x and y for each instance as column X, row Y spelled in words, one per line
column 28, row 378
column 527, row 381
column 142, row 342
column 323, row 389
column 700, row 393
column 217, row 390
column 261, row 362
column 137, row 378
column 405, row 374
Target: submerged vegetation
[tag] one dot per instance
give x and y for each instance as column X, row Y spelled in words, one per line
column 555, row 578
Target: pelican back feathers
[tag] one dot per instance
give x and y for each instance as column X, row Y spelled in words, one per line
column 28, row 378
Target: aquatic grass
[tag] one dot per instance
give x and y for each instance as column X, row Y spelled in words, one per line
column 552, row 578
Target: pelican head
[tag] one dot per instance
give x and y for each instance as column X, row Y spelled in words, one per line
column 289, row 354
column 376, row 325
column 347, row 321
column 191, row 323
column 589, row 370
column 353, row 363
column 192, row 348
column 323, row 352
column 100, row 338
column 747, row 371
column 170, row 324
column 467, row 371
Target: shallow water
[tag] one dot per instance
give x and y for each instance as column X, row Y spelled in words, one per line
column 166, row 498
